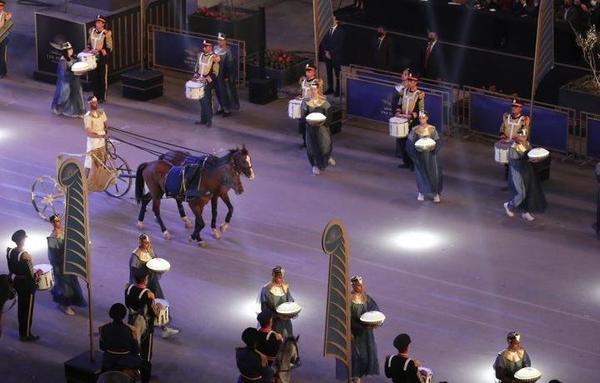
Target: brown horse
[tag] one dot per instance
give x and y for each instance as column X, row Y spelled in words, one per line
column 220, row 174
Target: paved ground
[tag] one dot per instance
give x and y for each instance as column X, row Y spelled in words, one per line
column 480, row 275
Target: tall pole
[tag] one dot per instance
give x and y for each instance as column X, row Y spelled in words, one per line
column 90, row 320
column 535, row 64
column 142, row 21
column 315, row 29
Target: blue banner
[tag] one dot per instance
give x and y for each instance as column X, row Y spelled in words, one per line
column 549, row 127
column 373, row 100
column 180, row 52
column 593, row 138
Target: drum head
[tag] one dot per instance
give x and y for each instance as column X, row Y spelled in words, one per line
column 289, row 308
column 44, row 267
column 162, row 302
column 502, row 144
column 160, row 265
column 372, row 317
column 194, row 84
column 398, row 120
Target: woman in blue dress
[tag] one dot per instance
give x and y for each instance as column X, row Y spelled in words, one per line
column 272, row 295
column 319, row 144
column 68, row 96
column 66, row 291
column 427, row 165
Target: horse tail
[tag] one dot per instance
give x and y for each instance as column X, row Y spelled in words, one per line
column 139, row 182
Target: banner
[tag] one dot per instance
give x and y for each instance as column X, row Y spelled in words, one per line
column 373, row 100
column 337, row 319
column 180, row 51
column 71, row 178
column 50, row 28
column 544, row 44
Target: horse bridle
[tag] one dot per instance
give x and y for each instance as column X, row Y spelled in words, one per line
column 238, row 168
column 289, row 369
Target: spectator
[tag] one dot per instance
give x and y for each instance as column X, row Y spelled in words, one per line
column 524, row 8
column 595, row 14
column 383, row 51
column 332, row 46
column 431, row 66
column 578, row 16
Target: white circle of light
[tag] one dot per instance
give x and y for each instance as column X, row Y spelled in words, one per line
column 415, row 240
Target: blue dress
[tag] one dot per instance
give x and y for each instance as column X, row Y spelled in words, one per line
column 270, row 301
column 427, row 165
column 68, row 96
column 319, row 144
column 66, row 290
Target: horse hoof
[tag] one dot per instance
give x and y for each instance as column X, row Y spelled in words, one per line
column 202, row 244
column 216, row 234
column 187, row 223
column 224, row 227
column 140, row 225
column 167, row 235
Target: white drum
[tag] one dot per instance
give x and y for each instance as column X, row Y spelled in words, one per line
column 194, row 90
column 295, row 109
column 425, row 144
column 316, row 118
column 80, row 68
column 46, row 280
column 425, row 375
column 289, row 309
column 163, row 314
column 373, row 318
column 528, row 374
column 399, row 127
column 158, row 265
column 88, row 58
column 538, row 154
column 501, row 149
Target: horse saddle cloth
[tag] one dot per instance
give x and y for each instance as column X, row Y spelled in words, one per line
column 184, row 181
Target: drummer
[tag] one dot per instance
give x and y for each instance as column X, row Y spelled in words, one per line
column 511, row 359
column 514, row 123
column 251, row 364
column 206, row 70
column 399, row 367
column 364, row 348
column 426, row 163
column 269, row 341
column 100, row 42
column 408, row 104
column 526, row 187
column 319, row 143
column 306, row 81
column 137, row 263
column 25, row 282
column 272, row 295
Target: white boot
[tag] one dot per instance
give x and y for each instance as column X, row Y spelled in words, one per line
column 168, row 332
column 331, row 161
column 507, row 210
column 315, row 171
column 436, row 198
column 527, row 216
column 420, row 197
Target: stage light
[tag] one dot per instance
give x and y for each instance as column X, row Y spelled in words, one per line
column 4, row 134
column 483, row 373
column 250, row 308
column 36, row 245
column 415, row 240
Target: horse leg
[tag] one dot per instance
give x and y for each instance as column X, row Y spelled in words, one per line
column 145, row 201
column 186, row 221
column 213, row 221
column 156, row 210
column 225, row 198
column 197, row 206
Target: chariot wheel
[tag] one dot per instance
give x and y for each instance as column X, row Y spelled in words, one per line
column 111, row 150
column 47, row 197
column 123, row 180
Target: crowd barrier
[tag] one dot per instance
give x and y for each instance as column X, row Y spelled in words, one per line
column 591, row 124
column 178, row 50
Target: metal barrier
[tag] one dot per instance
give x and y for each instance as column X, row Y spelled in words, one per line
column 590, row 124
column 177, row 50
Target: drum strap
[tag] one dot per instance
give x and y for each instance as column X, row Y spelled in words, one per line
column 390, row 361
column 406, row 364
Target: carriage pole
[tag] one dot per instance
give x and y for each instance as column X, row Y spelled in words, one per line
column 90, row 321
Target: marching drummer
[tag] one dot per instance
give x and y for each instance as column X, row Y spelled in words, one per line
column 514, row 123
column 511, row 359
column 364, row 348
column 399, row 367
column 272, row 295
column 25, row 281
column 306, row 81
column 96, row 130
column 269, row 341
column 408, row 103
column 5, row 18
column 137, row 263
column 100, row 42
column 206, row 71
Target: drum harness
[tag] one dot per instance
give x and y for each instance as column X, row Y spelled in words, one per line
column 10, row 279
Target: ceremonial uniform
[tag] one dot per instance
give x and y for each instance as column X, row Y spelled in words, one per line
column 141, row 316
column 207, row 68
column 426, row 163
column 19, row 264
column 410, row 103
column 225, row 82
column 249, row 364
column 505, row 368
column 268, row 344
column 68, row 95
column 100, row 40
column 514, row 125
column 94, row 121
column 137, row 262
column 305, row 85
column 319, row 144
column 401, row 369
column 6, row 24
column 272, row 296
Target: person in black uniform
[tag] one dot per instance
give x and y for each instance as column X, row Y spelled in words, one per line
column 383, row 51
column 119, row 343
column 25, row 280
column 332, row 46
column 142, row 311
column 408, row 103
column 399, row 367
column 251, row 363
column 269, row 341
column 100, row 42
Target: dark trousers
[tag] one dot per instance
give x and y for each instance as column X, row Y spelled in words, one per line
column 25, row 302
column 146, row 347
column 3, row 58
column 222, row 96
column 401, row 151
column 302, row 130
column 206, row 104
column 99, row 78
column 333, row 68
